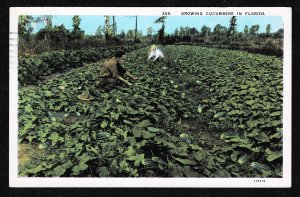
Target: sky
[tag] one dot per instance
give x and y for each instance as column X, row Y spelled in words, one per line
column 90, row 23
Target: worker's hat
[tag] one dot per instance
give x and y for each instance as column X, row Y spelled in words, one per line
column 153, row 47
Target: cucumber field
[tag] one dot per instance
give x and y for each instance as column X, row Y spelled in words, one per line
column 201, row 112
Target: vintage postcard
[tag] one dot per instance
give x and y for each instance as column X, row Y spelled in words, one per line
column 150, row 97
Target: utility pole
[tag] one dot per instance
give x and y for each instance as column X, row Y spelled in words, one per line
column 135, row 35
column 114, row 26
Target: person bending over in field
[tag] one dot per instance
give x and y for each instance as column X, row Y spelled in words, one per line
column 112, row 72
column 155, row 53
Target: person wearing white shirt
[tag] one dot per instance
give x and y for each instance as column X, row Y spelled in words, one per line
column 155, row 53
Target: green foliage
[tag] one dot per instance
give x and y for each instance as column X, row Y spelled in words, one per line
column 32, row 68
column 133, row 131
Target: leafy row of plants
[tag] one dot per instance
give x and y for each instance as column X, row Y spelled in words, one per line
column 243, row 100
column 33, row 68
column 134, row 131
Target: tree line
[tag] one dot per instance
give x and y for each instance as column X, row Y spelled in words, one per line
column 59, row 37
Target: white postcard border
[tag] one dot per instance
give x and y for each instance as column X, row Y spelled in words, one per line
column 16, row 181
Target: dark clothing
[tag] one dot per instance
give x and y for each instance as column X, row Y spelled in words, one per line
column 108, row 83
column 109, row 74
column 112, row 69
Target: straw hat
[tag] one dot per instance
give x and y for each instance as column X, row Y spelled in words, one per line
column 85, row 96
column 153, row 47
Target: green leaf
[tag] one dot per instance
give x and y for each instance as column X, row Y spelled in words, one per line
column 199, row 155
column 67, row 165
column 198, row 82
column 48, row 93
column 84, row 137
column 158, row 160
column 43, row 146
column 164, row 92
column 247, row 145
column 262, row 137
column 131, row 151
column 36, row 169
column 147, row 135
column 276, row 123
column 114, row 116
column 253, row 133
column 123, row 165
column 243, row 159
column 183, row 161
column 200, row 108
column 102, row 135
column 278, row 113
column 118, row 101
column 104, row 124
column 261, row 168
column 138, row 145
column 153, row 129
column 272, row 155
column 143, row 124
column 169, row 144
column 76, row 170
column 250, row 102
column 30, row 138
column 28, row 108
column 221, row 160
column 54, row 137
column 103, row 171
column 195, row 147
column 137, row 133
column 219, row 114
column 277, row 135
column 258, row 149
column 58, row 171
column 252, row 123
column 233, row 156
column 92, row 149
column 229, row 134
column 127, row 122
column 137, row 159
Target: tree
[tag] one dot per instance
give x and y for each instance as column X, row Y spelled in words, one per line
column 268, row 30
column 108, row 30
column 149, row 31
column 46, row 20
column 279, row 33
column 217, row 30
column 130, row 33
column 123, row 34
column 246, row 31
column 161, row 32
column 257, row 28
column 205, row 31
column 76, row 33
column 100, row 31
column 254, row 30
column 139, row 34
column 232, row 27
column 181, row 32
column 76, row 22
column 187, row 31
column 25, row 25
column 176, row 32
column 223, row 31
column 193, row 31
